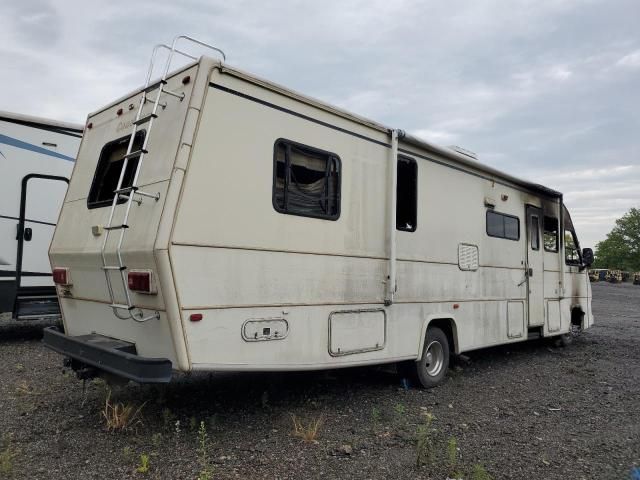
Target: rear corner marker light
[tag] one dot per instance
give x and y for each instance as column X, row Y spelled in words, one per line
column 141, row 281
column 195, row 317
column 61, row 276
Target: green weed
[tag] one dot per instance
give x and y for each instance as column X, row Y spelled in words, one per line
column 452, row 457
column 206, row 472
column 479, row 473
column 7, row 454
column 144, row 464
column 424, row 444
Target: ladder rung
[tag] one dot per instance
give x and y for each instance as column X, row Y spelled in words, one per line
column 155, row 196
column 122, row 306
column 114, row 267
column 173, row 94
column 145, row 119
column 126, row 190
column 116, row 227
column 137, row 153
column 155, row 85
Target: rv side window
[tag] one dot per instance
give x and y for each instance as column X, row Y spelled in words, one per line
column 407, row 195
column 550, row 234
column 110, row 162
column 501, row 225
column 306, row 181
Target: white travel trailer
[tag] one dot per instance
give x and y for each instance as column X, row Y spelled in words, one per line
column 217, row 221
column 36, row 160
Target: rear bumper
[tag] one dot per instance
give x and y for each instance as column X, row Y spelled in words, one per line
column 110, row 355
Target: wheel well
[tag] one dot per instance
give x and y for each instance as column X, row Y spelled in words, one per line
column 577, row 316
column 448, row 326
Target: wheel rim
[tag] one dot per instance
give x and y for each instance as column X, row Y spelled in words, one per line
column 434, row 359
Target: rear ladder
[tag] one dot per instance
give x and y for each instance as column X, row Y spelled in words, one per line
column 129, row 193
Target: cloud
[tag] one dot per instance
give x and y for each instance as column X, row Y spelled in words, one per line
column 544, row 89
column 631, row 60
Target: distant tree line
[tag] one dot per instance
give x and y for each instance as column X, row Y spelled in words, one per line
column 621, row 249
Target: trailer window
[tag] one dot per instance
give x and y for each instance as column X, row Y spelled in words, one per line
column 550, row 234
column 500, row 225
column 110, row 162
column 407, row 195
column 306, row 181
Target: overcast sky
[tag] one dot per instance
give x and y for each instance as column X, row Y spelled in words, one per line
column 546, row 90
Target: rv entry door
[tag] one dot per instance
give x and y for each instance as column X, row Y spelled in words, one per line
column 40, row 202
column 534, row 268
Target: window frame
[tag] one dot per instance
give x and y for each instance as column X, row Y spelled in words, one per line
column 338, row 170
column 537, row 233
column 103, row 203
column 488, row 211
column 405, row 158
column 557, row 249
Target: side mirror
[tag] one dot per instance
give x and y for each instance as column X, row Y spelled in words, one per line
column 587, row 257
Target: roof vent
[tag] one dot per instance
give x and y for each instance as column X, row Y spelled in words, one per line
column 464, row 151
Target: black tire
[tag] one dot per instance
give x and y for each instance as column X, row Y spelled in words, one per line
column 432, row 367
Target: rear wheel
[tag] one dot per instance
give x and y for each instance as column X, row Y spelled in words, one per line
column 432, row 368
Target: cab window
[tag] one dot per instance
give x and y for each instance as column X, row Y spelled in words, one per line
column 572, row 253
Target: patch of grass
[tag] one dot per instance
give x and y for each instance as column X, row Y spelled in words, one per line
column 375, row 414
column 424, row 443
column 119, row 416
column 206, row 472
column 309, row 432
column 144, row 464
column 23, row 388
column 400, row 409
column 168, row 419
column 127, row 452
column 452, row 458
column 156, row 440
column 479, row 473
column 7, row 454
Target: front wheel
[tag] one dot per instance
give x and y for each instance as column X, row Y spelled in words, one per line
column 432, row 368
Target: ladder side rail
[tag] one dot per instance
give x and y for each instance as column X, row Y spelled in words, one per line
column 134, row 182
column 117, row 195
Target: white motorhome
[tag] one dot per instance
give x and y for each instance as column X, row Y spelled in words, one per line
column 36, row 160
column 217, row 221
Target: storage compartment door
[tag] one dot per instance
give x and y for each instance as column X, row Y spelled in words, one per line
column 356, row 331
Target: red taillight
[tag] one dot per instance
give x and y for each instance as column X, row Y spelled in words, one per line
column 140, row 281
column 195, row 317
column 61, row 276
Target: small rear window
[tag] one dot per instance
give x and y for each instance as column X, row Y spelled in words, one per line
column 105, row 180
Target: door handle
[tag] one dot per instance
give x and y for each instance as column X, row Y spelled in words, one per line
column 528, row 272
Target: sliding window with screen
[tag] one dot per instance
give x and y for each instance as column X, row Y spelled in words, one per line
column 501, row 225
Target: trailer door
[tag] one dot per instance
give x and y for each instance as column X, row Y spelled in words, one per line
column 534, row 268
column 40, row 201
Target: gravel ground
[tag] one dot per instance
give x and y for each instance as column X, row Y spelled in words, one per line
column 527, row 411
